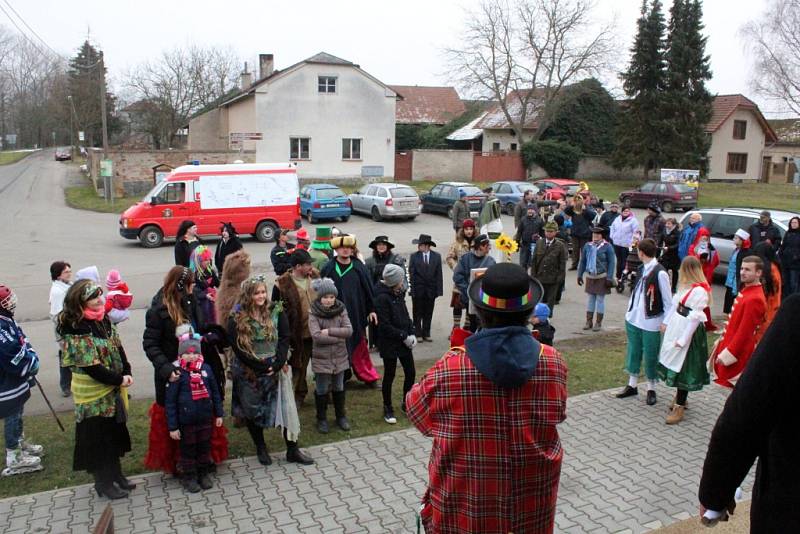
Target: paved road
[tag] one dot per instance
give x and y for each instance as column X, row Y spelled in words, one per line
column 624, row 471
column 44, row 229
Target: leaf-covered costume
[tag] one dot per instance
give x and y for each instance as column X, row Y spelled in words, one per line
column 92, row 349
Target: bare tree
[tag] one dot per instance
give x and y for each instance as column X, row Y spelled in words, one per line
column 179, row 83
column 774, row 41
column 522, row 53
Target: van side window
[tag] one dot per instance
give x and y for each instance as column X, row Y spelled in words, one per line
column 173, row 193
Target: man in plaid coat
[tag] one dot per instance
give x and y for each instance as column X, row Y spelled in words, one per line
column 492, row 407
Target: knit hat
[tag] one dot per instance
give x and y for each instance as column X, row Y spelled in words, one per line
column 113, row 280
column 530, row 206
column 744, row 235
column 542, row 312
column 468, row 223
column 393, row 275
column 300, row 257
column 324, row 286
column 188, row 341
column 653, row 206
column 88, row 273
column 481, row 239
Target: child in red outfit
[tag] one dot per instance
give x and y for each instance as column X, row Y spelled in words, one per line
column 118, row 298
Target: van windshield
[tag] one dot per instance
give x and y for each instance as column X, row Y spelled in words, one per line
column 153, row 192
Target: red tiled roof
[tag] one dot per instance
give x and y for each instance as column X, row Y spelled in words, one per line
column 427, row 105
column 495, row 118
column 725, row 105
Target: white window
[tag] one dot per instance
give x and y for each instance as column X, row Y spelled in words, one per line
column 326, row 84
column 351, row 148
column 299, row 148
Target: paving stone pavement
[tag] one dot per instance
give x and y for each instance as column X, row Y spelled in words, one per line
column 624, row 471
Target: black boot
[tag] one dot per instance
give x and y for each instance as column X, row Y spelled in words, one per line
column 104, row 485
column 121, row 481
column 189, row 482
column 295, row 455
column 257, row 434
column 322, row 412
column 341, row 415
column 204, row 478
column 263, row 455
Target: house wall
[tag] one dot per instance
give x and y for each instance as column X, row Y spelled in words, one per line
column 723, row 143
column 782, row 170
column 291, row 106
column 209, row 131
column 504, row 137
column 452, row 165
column 242, row 118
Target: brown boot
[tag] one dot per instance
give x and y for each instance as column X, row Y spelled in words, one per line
column 676, row 415
column 598, row 322
column 672, row 404
column 589, row 316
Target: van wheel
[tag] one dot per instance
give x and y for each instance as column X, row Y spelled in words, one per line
column 310, row 217
column 666, row 207
column 151, row 237
column 376, row 214
column 266, row 232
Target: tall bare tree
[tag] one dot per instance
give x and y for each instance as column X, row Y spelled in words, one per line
column 522, row 53
column 179, row 83
column 774, row 41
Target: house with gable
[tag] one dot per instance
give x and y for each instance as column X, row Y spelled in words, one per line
column 423, row 105
column 325, row 113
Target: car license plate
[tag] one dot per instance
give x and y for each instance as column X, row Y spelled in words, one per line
column 473, row 214
column 331, row 206
column 688, row 197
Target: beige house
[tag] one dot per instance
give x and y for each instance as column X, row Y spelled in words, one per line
column 497, row 132
column 739, row 136
column 324, row 113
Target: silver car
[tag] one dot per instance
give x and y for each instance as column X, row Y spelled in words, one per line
column 723, row 223
column 386, row 201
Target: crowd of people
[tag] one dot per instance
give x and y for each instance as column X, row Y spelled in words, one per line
column 214, row 321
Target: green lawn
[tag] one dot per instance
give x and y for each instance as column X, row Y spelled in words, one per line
column 84, row 197
column 715, row 195
column 12, row 156
column 594, row 362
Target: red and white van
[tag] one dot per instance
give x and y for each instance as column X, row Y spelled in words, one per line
column 258, row 198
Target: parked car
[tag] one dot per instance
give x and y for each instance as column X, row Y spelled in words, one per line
column 258, row 198
column 324, row 201
column 670, row 196
column 444, row 194
column 63, row 154
column 561, row 188
column 386, row 201
column 510, row 193
column 723, row 223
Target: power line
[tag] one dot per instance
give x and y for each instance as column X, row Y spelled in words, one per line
column 25, row 35
column 31, row 29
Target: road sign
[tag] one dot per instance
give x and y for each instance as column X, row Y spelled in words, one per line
column 81, row 136
column 106, row 168
column 238, row 137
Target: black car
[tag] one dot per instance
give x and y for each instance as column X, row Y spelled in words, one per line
column 443, row 195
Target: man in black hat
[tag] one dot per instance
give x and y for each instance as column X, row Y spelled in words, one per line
column 382, row 255
column 549, row 264
column 494, row 400
column 528, row 233
column 654, row 224
column 425, row 271
column 477, row 258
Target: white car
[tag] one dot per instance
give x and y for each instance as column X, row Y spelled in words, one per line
column 386, row 201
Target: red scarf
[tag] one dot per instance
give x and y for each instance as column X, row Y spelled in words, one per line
column 196, row 383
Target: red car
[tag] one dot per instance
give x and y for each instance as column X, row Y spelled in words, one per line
column 670, row 196
column 561, row 188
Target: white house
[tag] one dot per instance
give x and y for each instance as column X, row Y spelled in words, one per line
column 325, row 113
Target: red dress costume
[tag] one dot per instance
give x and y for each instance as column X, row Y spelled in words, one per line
column 739, row 338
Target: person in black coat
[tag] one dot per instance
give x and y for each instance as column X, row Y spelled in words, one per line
column 425, row 269
column 280, row 256
column 186, row 241
column 669, row 250
column 229, row 244
column 396, row 336
column 581, row 232
column 764, row 230
column 789, row 254
column 760, row 421
column 529, row 230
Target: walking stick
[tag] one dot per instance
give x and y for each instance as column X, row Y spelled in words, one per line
column 47, row 401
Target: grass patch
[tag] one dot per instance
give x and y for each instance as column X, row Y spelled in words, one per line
column 84, row 197
column 594, row 364
column 12, row 156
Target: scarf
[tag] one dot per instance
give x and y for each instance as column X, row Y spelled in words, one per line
column 326, row 313
column 94, row 315
column 196, row 383
column 591, row 256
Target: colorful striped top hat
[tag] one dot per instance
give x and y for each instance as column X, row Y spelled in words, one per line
column 322, row 238
column 505, row 288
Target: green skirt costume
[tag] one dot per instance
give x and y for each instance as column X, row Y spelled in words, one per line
column 694, row 373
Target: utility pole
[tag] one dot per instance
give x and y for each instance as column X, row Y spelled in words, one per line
column 103, row 102
column 71, row 127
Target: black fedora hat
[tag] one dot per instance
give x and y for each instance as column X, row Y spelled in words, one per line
column 505, row 288
column 424, row 239
column 381, row 239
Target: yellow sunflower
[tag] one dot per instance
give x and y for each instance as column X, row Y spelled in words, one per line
column 505, row 244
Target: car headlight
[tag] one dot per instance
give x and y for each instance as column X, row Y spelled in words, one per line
column 124, row 223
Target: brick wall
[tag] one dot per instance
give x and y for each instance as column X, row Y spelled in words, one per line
column 133, row 169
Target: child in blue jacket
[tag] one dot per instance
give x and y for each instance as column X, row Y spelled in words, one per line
column 18, row 365
column 193, row 404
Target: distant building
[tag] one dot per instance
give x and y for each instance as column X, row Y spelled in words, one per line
column 325, row 113
column 421, row 105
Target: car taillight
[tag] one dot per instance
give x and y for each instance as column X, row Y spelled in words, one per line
column 676, row 196
column 317, row 205
column 349, row 204
column 389, row 202
column 299, row 210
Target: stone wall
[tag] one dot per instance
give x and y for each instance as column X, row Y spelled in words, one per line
column 133, row 169
column 599, row 167
column 454, row 165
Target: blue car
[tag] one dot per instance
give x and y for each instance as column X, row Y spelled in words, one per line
column 510, row 193
column 324, row 201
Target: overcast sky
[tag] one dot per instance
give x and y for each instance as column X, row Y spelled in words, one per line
column 399, row 42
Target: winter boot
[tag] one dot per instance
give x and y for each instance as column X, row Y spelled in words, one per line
column 189, row 482
column 204, row 478
column 18, row 462
column 30, row 448
column 589, row 316
column 295, row 455
column 341, row 415
column 322, row 412
column 104, row 484
column 598, row 323
column 121, row 481
column 263, row 456
column 676, row 415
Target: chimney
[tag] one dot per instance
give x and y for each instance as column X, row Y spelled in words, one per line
column 245, row 78
column 266, row 63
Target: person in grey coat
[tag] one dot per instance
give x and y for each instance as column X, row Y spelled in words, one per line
column 330, row 328
column 460, row 211
column 477, row 258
